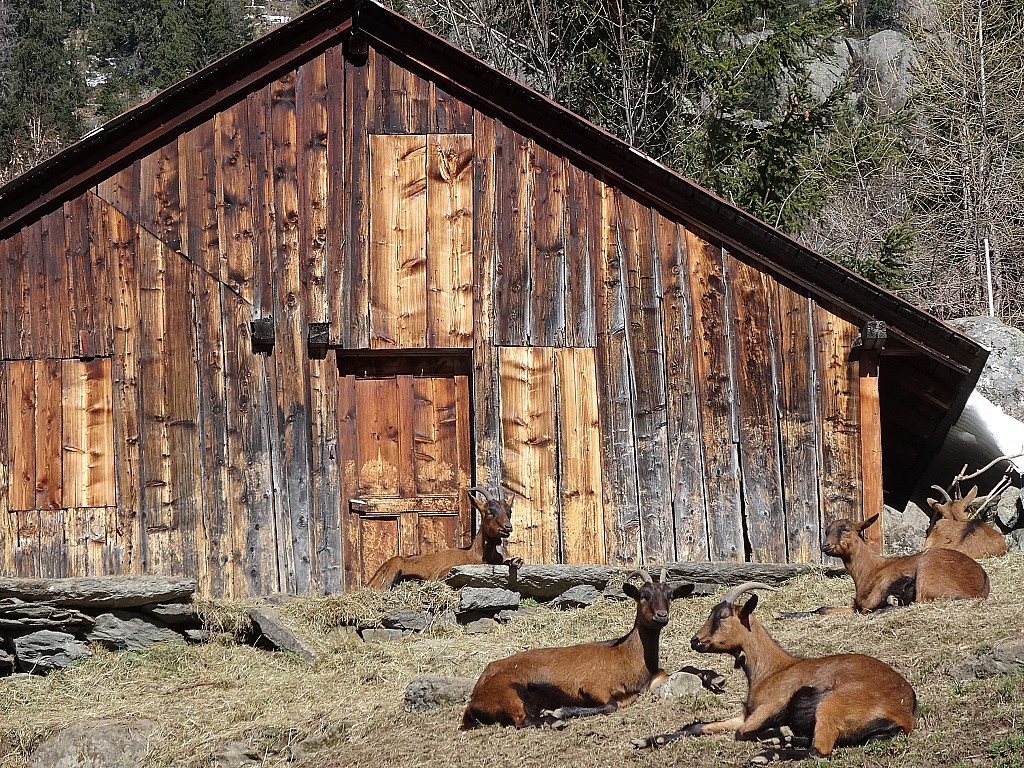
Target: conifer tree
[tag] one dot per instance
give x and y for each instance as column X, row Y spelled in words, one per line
column 43, row 85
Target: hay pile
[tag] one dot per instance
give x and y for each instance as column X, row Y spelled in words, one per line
column 349, row 704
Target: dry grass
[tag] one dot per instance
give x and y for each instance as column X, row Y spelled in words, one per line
column 204, row 696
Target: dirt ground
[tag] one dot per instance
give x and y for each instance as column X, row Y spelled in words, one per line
column 346, row 708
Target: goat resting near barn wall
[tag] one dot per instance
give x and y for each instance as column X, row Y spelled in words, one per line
column 953, row 527
column 881, row 583
column 495, row 528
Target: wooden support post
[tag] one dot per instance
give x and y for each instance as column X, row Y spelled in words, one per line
column 869, row 347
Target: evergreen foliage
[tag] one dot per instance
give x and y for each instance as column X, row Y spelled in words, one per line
column 142, row 46
column 43, row 85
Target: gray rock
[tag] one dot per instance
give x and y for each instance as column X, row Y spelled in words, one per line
column 579, row 596
column 180, row 615
column 6, row 663
column 1004, row 370
column 923, row 14
column 100, row 591
column 236, row 754
column 46, row 650
column 97, row 744
column 827, row 73
column 197, row 636
column 481, row 626
column 524, row 610
column 1005, row 659
column 371, row 634
column 887, row 62
column 680, row 684
column 904, row 531
column 269, row 626
column 1008, row 509
column 308, row 747
column 1015, row 541
column 407, row 619
column 487, row 599
column 541, row 582
column 428, row 692
column 18, row 614
column 122, row 631
column 544, row 582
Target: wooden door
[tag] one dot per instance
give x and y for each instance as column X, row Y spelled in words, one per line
column 405, row 462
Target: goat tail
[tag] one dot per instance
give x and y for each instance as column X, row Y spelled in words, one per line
column 385, row 576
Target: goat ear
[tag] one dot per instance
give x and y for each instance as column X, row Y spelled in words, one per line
column 748, row 608
column 474, row 499
column 971, row 495
column 682, row 590
column 631, row 590
column 867, row 523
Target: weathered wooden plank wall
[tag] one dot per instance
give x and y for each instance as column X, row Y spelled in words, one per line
column 643, row 393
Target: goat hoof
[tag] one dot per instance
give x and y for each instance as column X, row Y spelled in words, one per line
column 553, row 718
column 710, row 679
column 651, row 742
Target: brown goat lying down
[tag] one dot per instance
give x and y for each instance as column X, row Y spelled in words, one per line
column 882, row 582
column 829, row 702
column 551, row 685
column 952, row 527
column 495, row 528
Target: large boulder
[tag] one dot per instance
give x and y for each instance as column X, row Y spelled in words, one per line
column 1000, row 382
column 886, row 64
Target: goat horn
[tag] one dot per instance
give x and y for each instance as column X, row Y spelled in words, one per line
column 943, row 492
column 643, row 574
column 734, row 593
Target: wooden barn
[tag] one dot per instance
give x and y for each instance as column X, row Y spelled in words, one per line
column 267, row 327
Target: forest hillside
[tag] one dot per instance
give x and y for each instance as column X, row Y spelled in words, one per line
column 884, row 133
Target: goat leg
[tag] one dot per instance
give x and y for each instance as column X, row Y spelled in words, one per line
column 825, row 610
column 693, row 729
column 710, row 679
column 554, row 716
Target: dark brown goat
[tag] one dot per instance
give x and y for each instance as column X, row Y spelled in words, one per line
column 882, row 582
column 551, row 685
column 829, row 702
column 495, row 528
column 953, row 527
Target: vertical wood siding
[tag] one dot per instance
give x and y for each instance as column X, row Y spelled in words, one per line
column 642, row 393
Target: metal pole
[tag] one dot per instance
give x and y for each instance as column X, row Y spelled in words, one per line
column 988, row 274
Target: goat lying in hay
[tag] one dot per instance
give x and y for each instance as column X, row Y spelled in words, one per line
column 882, row 582
column 495, row 528
column 550, row 685
column 952, row 527
column 833, row 701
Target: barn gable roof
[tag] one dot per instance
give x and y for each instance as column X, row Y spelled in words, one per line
column 184, row 105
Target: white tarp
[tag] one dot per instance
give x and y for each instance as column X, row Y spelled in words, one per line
column 982, row 433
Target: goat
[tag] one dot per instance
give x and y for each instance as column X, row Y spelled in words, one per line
column 882, row 582
column 495, row 528
column 550, row 685
column 952, row 527
column 833, row 701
